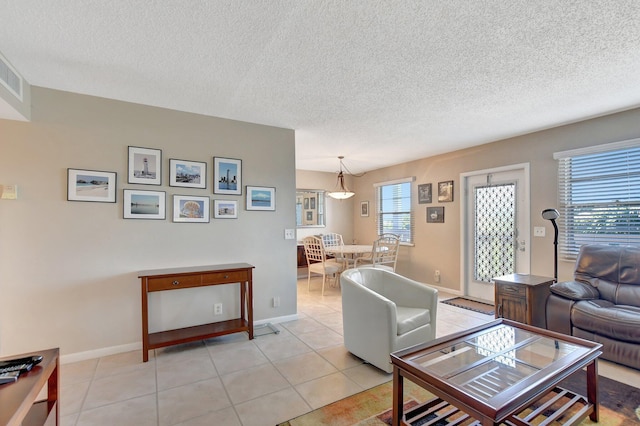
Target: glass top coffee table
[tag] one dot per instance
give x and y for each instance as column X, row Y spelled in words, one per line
column 502, row 372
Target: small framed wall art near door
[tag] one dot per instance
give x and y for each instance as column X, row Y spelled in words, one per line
column 435, row 214
column 91, row 185
column 225, row 209
column 364, row 208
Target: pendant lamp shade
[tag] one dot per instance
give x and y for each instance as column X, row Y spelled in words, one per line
column 341, row 192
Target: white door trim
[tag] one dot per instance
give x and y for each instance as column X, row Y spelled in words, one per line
column 463, row 213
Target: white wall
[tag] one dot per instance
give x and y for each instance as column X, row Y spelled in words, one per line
column 68, row 270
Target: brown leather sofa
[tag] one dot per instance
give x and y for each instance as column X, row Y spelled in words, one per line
column 602, row 304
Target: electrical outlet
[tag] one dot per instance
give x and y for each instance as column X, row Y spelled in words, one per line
column 436, row 276
column 539, row 231
column 217, row 309
column 276, row 302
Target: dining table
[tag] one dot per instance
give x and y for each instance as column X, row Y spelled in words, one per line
column 349, row 252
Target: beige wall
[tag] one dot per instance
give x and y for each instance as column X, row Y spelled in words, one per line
column 339, row 212
column 68, row 270
column 437, row 246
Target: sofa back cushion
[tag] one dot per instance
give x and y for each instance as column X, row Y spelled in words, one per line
column 613, row 270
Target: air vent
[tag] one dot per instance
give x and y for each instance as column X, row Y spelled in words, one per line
column 10, row 78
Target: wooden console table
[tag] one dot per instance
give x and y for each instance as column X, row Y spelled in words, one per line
column 197, row 276
column 18, row 405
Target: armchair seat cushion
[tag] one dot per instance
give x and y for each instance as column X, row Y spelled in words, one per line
column 619, row 322
column 411, row 318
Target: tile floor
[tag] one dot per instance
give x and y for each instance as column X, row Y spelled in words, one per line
column 232, row 381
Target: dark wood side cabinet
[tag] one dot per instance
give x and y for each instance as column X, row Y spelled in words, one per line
column 302, row 257
column 197, row 276
column 18, row 405
column 522, row 298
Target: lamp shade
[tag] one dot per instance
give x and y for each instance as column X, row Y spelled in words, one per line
column 341, row 192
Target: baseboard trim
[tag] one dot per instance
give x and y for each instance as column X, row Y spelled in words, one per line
column 137, row 346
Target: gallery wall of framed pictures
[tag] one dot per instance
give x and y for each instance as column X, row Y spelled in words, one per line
column 145, row 166
column 444, row 194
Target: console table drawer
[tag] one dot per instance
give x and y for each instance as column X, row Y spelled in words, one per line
column 225, row 277
column 514, row 290
column 172, row 283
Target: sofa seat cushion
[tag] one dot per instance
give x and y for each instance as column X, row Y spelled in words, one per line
column 409, row 319
column 620, row 322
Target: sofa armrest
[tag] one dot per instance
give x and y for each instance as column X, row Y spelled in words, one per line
column 575, row 290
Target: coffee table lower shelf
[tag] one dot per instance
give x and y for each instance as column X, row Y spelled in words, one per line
column 560, row 405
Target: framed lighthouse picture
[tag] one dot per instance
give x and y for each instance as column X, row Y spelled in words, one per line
column 144, row 166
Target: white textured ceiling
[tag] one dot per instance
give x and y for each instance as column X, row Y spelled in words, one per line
column 380, row 82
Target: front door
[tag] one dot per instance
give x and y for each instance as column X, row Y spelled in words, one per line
column 496, row 228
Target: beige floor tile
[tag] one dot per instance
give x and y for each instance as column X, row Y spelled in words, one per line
column 304, row 325
column 284, row 346
column 123, row 363
column 367, row 376
column 322, row 338
column 325, row 390
column 72, row 396
column 226, row 417
column 253, row 382
column 139, row 411
column 120, row 387
column 195, row 369
column 305, row 367
column 272, row 409
column 78, row 372
column 339, row 357
column 238, row 356
column 190, row 401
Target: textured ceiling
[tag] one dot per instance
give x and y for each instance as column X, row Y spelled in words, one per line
column 380, row 82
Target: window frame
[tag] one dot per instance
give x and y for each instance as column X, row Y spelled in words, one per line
column 379, row 213
column 589, row 220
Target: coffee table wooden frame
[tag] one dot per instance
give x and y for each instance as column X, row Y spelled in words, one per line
column 513, row 401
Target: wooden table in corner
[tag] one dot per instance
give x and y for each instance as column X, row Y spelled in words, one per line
column 18, row 405
column 190, row 277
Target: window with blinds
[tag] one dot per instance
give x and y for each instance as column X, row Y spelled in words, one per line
column 599, row 196
column 394, row 211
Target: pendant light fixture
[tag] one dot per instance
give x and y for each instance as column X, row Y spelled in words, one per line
column 341, row 192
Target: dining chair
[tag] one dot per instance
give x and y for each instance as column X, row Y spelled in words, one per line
column 384, row 254
column 317, row 262
column 333, row 240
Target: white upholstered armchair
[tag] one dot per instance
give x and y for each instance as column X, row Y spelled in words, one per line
column 384, row 312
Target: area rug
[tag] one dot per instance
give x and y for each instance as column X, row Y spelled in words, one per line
column 619, row 405
column 471, row 305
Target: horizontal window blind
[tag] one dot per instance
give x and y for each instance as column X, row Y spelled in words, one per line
column 599, row 195
column 394, row 212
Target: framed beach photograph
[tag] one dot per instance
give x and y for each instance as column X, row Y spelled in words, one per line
column 364, row 208
column 144, row 204
column 144, row 166
column 189, row 208
column 424, row 193
column 225, row 209
column 227, row 176
column 435, row 214
column 261, row 198
column 445, row 191
column 91, row 185
column 188, row 174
